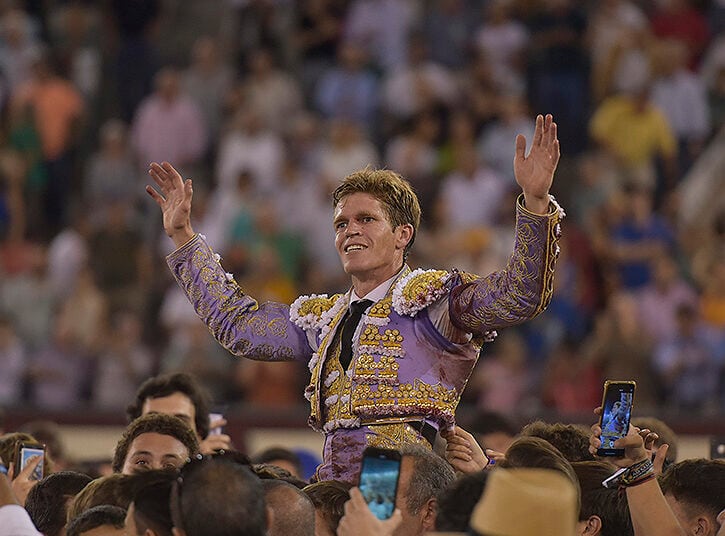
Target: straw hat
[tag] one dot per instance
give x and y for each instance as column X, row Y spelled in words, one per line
column 524, row 502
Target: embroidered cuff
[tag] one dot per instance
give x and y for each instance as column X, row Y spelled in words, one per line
column 554, row 208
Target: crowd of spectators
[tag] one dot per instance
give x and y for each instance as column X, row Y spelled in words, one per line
column 547, row 479
column 267, row 104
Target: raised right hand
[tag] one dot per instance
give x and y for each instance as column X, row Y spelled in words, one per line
column 635, row 444
column 23, row 482
column 360, row 521
column 174, row 200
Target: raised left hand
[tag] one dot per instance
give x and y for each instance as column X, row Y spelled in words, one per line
column 535, row 172
column 635, row 444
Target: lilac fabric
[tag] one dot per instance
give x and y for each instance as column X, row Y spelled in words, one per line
column 402, row 367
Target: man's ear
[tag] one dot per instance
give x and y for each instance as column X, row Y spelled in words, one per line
column 593, row 526
column 177, row 532
column 404, row 234
column 702, row 526
column 428, row 513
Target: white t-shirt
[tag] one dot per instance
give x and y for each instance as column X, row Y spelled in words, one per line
column 15, row 521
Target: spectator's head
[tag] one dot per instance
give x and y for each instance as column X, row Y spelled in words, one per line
column 456, row 503
column 329, row 498
column 523, row 502
column 393, row 192
column 103, row 520
column 154, row 441
column 571, row 440
column 149, row 513
column 423, row 475
column 114, row 489
column 694, row 489
column 113, row 134
column 166, row 83
column 205, row 53
column 292, row 510
column 666, row 435
column 261, row 62
column 351, row 56
column 537, row 453
column 200, row 504
column 603, row 511
column 494, row 430
column 42, row 64
column 47, row 502
column 281, row 457
column 176, row 394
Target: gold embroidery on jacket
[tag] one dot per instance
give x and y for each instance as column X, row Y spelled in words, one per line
column 392, row 436
column 418, row 395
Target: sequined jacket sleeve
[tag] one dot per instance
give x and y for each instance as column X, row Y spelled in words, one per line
column 521, row 290
column 243, row 326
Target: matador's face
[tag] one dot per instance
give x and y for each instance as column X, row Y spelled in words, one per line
column 368, row 246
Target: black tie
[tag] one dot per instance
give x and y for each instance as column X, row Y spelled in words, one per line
column 357, row 308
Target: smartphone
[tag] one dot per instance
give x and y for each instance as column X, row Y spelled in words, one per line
column 379, row 475
column 24, row 452
column 717, row 447
column 212, row 418
column 617, row 404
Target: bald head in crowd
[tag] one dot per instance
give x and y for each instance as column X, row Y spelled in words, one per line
column 292, row 510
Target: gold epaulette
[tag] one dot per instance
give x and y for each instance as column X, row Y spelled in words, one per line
column 418, row 290
column 314, row 311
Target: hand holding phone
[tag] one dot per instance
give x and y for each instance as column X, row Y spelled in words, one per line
column 617, row 403
column 25, row 452
column 379, row 476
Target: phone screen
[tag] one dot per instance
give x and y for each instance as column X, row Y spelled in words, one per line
column 379, row 480
column 213, row 417
column 25, row 454
column 616, row 414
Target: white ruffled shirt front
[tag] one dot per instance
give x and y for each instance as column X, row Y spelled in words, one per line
column 437, row 312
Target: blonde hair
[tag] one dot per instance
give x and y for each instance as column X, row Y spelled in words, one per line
column 394, row 192
column 114, row 489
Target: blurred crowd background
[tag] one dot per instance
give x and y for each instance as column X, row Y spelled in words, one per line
column 266, row 104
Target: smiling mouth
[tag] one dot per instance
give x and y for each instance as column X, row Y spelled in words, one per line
column 354, row 247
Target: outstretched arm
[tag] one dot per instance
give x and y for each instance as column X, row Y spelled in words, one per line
column 535, row 172
column 243, row 326
column 174, row 201
column 650, row 513
column 524, row 287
